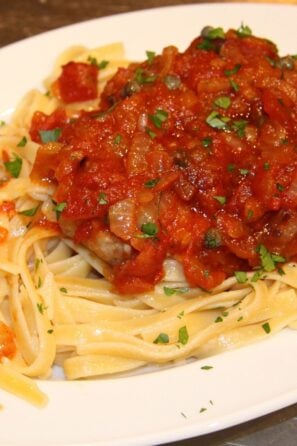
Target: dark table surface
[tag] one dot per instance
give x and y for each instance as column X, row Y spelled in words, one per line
column 24, row 18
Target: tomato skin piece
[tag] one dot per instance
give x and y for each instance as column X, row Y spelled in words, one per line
column 141, row 273
column 7, row 341
column 41, row 121
column 78, row 82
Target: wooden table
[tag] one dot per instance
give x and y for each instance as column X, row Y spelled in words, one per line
column 23, row 18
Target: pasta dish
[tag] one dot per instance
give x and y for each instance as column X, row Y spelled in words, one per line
column 148, row 210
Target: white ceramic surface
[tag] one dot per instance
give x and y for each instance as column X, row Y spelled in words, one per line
column 163, row 405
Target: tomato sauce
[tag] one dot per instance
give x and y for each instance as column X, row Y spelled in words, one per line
column 190, row 155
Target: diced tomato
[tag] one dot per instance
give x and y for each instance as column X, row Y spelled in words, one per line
column 78, row 82
column 41, row 121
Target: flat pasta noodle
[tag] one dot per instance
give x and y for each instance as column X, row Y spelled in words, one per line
column 61, row 308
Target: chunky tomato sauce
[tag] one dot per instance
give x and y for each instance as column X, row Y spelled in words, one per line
column 191, row 155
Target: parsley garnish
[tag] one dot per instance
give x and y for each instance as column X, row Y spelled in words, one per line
column 22, row 142
column 206, row 142
column 266, row 166
column 212, row 239
column 269, row 260
column 117, row 139
column 233, row 70
column 172, row 82
column 151, row 183
column 14, row 167
column 159, row 118
column 150, row 230
column 223, row 102
column 102, row 198
column 177, row 290
column 30, row 212
column 206, row 367
column 239, row 126
column 234, row 85
column 59, row 208
column 241, row 276
column 49, row 135
column 63, row 290
column 218, row 319
column 41, row 307
column 50, row 331
column 150, row 132
column 183, row 335
column 221, row 199
column 217, row 121
column 244, row 31
column 101, row 65
column 150, row 56
column 141, row 78
column 266, row 327
column 163, row 338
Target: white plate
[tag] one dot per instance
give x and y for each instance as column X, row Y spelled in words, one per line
column 165, row 405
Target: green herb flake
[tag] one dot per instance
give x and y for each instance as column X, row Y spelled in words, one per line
column 117, row 139
column 257, row 275
column 177, row 290
column 29, row 212
column 159, row 118
column 41, row 307
column 215, row 33
column 2, row 123
column 102, row 198
column 162, row 338
column 22, row 142
column 141, row 78
column 223, row 102
column 234, row 85
column 181, row 314
column 212, row 239
column 203, row 409
column 230, row 167
column 50, row 331
column 59, row 208
column 266, row 327
column 37, row 263
column 49, row 135
column 233, row 70
column 239, row 127
column 217, row 121
column 149, row 230
column 221, row 199
column 241, row 276
column 244, row 31
column 63, row 290
column 280, row 187
column 183, row 335
column 266, row 166
column 151, row 183
column 14, row 167
column 218, row 319
column 206, row 367
column 150, row 132
column 240, row 319
column 206, row 142
column 269, row 260
column 206, row 45
column 101, row 65
column 150, row 55
column 250, row 214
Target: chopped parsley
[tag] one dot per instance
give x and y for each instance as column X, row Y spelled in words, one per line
column 50, row 331
column 49, row 135
column 162, row 338
column 59, row 208
column 230, row 167
column 117, row 139
column 149, row 230
column 280, row 187
column 150, row 55
column 14, row 167
column 141, row 78
column 233, row 70
column 41, row 307
column 244, row 31
column 244, row 171
column 212, row 239
column 22, row 142
column 203, row 409
column 241, row 276
column 218, row 319
column 269, row 260
column 221, row 199
column 217, row 121
column 266, row 327
column 183, row 335
column 159, row 118
column 206, row 142
column 150, row 132
column 239, row 127
column 102, row 198
column 151, row 183
column 234, row 85
column 206, row 367
column 29, row 212
column 101, row 65
column 223, row 102
column 177, row 290
column 63, row 290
